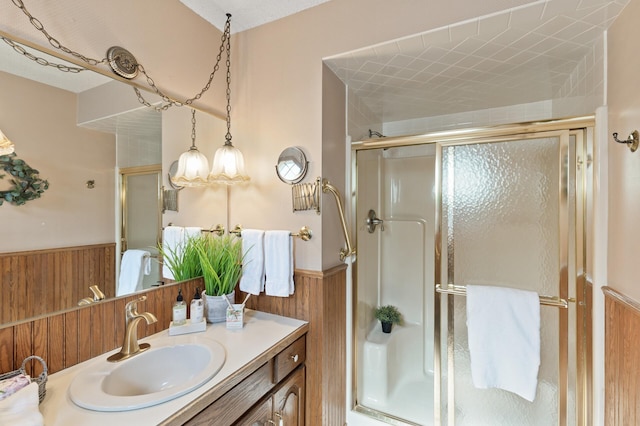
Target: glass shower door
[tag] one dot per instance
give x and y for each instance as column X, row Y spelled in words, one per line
column 141, row 215
column 507, row 210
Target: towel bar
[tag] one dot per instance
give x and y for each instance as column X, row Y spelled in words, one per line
column 460, row 290
column 218, row 230
column 304, row 234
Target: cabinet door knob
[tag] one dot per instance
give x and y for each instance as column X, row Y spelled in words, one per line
column 294, row 358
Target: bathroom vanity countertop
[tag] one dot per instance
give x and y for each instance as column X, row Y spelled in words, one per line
column 262, row 336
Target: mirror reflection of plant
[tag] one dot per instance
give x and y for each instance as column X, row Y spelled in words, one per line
column 183, row 261
column 221, row 261
column 26, row 181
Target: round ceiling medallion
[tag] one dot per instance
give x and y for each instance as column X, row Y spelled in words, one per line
column 122, row 62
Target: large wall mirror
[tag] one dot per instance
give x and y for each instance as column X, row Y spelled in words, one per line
column 81, row 131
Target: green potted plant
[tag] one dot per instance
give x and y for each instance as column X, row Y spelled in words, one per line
column 221, row 262
column 387, row 315
column 184, row 264
column 218, row 260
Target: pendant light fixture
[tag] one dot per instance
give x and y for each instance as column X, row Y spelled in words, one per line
column 228, row 162
column 6, row 146
column 193, row 166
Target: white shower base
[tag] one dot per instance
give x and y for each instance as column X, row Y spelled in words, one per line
column 394, row 380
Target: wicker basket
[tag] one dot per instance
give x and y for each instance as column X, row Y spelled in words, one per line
column 41, row 380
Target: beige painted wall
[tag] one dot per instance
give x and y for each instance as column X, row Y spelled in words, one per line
column 624, row 167
column 277, row 78
column 278, row 101
column 41, row 121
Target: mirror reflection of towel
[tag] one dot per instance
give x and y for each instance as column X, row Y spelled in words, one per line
column 172, row 238
column 504, row 338
column 134, row 264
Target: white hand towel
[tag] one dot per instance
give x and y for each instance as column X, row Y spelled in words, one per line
column 172, row 238
column 192, row 232
column 278, row 263
column 147, row 265
column 132, row 266
column 504, row 338
column 21, row 408
column 252, row 279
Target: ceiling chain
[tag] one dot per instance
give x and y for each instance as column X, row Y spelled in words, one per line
column 167, row 101
column 40, row 60
column 55, row 43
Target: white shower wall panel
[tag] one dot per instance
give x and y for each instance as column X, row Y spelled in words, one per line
column 395, row 266
column 368, row 177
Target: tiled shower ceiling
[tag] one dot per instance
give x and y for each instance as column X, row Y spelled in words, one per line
column 521, row 55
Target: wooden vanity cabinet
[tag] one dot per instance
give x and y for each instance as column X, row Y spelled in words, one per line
column 273, row 394
column 284, row 406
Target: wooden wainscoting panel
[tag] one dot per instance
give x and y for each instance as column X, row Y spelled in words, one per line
column 23, row 339
column 320, row 299
column 67, row 338
column 622, row 369
column 85, row 329
column 71, row 354
column 55, row 352
column 35, row 283
column 7, row 346
column 334, row 348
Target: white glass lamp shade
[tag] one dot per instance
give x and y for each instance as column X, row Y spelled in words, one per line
column 193, row 168
column 228, row 166
column 6, row 146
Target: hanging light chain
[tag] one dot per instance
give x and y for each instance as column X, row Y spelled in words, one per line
column 52, row 41
column 228, row 135
column 193, row 128
column 167, row 101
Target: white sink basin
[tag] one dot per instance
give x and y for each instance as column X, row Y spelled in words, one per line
column 172, row 367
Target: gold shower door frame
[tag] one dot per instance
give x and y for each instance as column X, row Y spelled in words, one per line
column 132, row 172
column 572, row 277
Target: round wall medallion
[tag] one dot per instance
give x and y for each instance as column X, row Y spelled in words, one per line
column 122, row 62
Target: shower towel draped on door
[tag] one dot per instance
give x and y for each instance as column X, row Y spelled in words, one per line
column 504, row 338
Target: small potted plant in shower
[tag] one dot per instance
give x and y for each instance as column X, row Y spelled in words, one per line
column 387, row 315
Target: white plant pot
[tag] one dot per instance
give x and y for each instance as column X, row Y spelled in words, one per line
column 215, row 307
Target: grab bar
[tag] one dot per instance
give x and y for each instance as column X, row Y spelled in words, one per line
column 460, row 290
column 349, row 251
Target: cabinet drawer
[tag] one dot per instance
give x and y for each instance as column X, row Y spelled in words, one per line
column 291, row 357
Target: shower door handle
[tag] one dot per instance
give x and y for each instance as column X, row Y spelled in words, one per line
column 372, row 221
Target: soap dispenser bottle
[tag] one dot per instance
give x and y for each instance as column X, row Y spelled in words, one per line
column 179, row 310
column 197, row 307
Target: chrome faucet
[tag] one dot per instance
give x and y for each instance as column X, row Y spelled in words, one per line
column 130, row 347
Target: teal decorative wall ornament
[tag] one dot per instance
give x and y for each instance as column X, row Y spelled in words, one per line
column 26, row 181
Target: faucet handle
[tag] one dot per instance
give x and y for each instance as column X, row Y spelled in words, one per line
column 131, row 308
column 97, row 293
